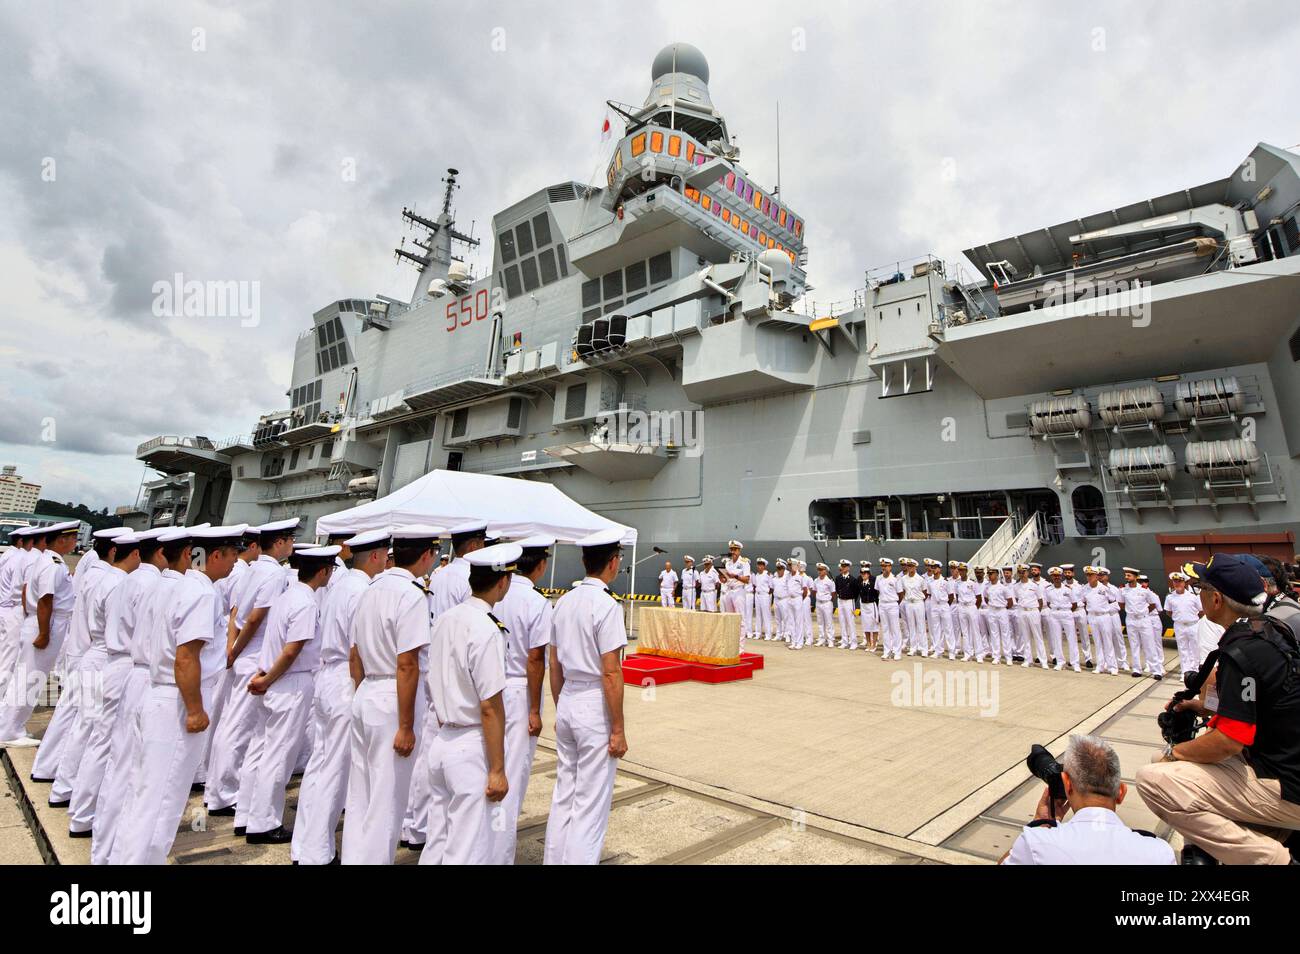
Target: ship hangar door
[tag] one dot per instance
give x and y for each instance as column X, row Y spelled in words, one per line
column 1177, row 549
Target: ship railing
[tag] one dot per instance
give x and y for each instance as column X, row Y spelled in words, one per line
column 990, row 553
column 428, row 383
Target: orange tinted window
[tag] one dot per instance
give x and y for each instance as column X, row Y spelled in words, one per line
column 690, row 151
column 638, row 144
column 674, row 145
column 657, row 142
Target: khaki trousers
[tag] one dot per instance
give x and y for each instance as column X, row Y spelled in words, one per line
column 1224, row 808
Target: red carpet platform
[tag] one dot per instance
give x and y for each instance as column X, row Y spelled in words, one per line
column 640, row 670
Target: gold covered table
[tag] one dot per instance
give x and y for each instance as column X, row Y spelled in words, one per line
column 695, row 637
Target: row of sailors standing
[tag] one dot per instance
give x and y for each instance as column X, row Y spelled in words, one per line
column 995, row 614
column 230, row 675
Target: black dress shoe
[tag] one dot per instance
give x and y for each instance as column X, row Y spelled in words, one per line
column 413, row 846
column 222, row 812
column 276, row 836
column 338, row 860
column 43, row 781
column 81, row 834
column 197, row 787
column 241, row 830
column 63, row 804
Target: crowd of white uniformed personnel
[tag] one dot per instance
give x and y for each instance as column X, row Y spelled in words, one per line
column 1009, row 614
column 404, row 683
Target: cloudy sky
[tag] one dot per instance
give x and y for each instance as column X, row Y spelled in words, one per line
column 275, row 143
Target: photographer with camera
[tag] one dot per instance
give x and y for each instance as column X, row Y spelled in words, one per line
column 1089, row 783
column 1234, row 790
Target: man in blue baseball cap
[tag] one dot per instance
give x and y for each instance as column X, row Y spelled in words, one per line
column 1234, row 791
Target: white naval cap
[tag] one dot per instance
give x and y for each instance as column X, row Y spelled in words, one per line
column 321, row 553
column 501, row 557
column 470, row 528
column 172, row 534
column 111, row 533
column 1104, row 571
column 952, row 562
column 885, row 561
column 1054, row 571
column 66, row 526
column 416, row 531
column 688, row 558
column 846, row 563
column 1021, row 566
column 708, row 558
column 603, row 538
column 279, row 526
column 1008, row 567
column 1143, row 578
column 1176, row 575
column 822, row 566
column 1067, row 566
column 1034, row 566
column 864, row 565
column 735, row 543
column 368, row 540
column 761, row 561
column 303, row 545
column 1130, row 569
column 1089, row 569
column 154, row 533
column 538, row 541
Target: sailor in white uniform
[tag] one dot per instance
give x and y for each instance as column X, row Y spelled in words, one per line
column 324, row 787
column 1080, row 613
column 126, row 680
column 1000, row 600
column 708, row 580
column 186, row 652
column 1139, row 606
column 88, row 771
column 1029, row 610
column 448, row 588
column 889, row 589
column 390, row 632
column 667, row 585
column 1153, row 649
column 805, row 604
column 690, row 582
column 249, row 551
column 289, row 659
column 1184, row 608
column 735, row 577
column 800, row 618
column 48, row 603
column 60, row 736
column 1117, row 628
column 1060, row 619
column 587, row 683
column 914, row 590
column 1097, row 604
column 526, row 615
column 761, row 581
column 232, row 753
column 12, row 567
column 467, row 678
column 823, row 588
column 966, row 607
column 782, row 598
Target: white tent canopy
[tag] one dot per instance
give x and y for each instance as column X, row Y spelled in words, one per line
column 511, row 507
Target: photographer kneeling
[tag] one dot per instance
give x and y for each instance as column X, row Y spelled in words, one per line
column 1095, row 835
column 1234, row 791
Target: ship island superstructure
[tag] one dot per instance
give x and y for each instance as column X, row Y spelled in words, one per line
column 1105, row 388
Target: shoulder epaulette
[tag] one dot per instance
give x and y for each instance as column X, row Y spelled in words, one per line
column 500, row 625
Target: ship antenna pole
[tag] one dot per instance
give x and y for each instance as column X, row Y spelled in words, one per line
column 778, row 147
column 672, row 109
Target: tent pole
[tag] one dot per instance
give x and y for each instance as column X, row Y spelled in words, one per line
column 553, row 570
column 631, row 586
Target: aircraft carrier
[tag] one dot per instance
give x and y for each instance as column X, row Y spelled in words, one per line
column 1113, row 388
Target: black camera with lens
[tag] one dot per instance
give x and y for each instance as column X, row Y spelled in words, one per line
column 1045, row 767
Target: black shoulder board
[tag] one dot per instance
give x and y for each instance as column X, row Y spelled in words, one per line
column 1144, row 833
column 420, row 586
column 500, row 625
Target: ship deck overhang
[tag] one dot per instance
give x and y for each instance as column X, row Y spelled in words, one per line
column 171, row 456
column 1211, row 321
